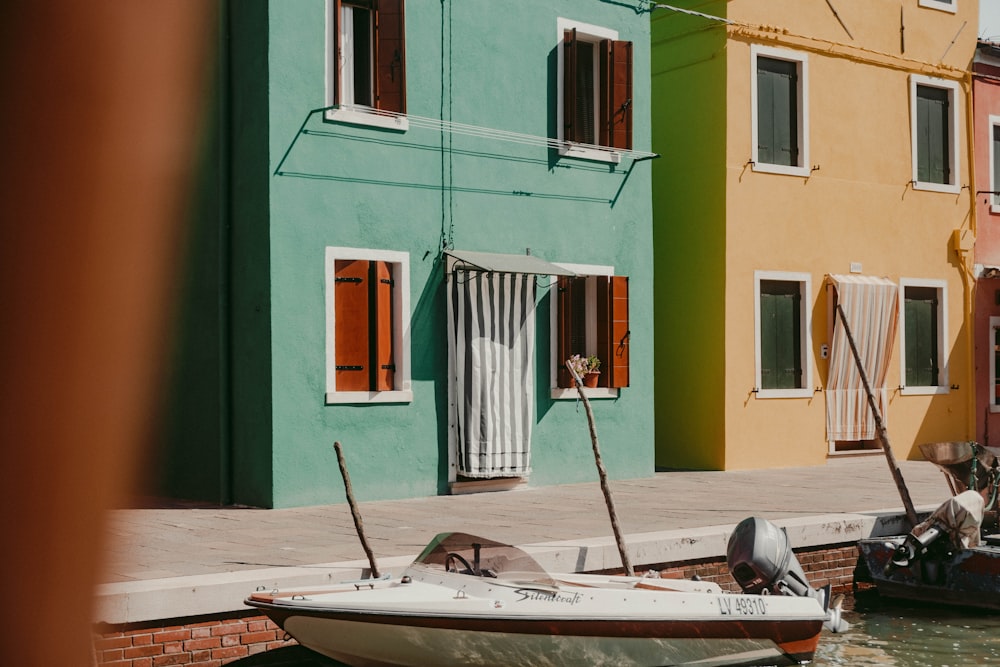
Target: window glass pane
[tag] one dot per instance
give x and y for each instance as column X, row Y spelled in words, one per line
column 362, row 52
column 921, row 336
column 996, row 164
column 932, row 135
column 780, row 335
column 777, row 112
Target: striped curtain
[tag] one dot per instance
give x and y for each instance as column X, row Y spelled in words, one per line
column 493, row 320
column 872, row 310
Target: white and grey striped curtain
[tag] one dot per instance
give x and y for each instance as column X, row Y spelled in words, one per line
column 872, row 310
column 493, row 320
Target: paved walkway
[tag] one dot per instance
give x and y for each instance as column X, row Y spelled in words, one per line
column 177, row 542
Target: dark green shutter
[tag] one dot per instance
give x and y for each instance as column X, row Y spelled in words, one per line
column 921, row 337
column 933, row 164
column 777, row 112
column 780, row 335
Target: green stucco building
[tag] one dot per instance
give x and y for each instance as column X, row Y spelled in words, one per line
column 410, row 213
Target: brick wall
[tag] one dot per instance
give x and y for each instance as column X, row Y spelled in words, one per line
column 202, row 643
column 227, row 638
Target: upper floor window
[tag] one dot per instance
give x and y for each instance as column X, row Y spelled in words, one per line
column 782, row 334
column 944, row 5
column 780, row 108
column 591, row 317
column 366, row 62
column 934, row 139
column 924, row 334
column 595, row 91
column 367, row 324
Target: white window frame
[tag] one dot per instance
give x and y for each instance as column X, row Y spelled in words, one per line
column 953, row 187
column 587, row 33
column 348, row 112
column 950, row 7
column 944, row 385
column 581, row 270
column 804, row 167
column 400, row 262
column 994, row 122
column 805, row 313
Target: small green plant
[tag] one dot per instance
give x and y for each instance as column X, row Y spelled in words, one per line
column 583, row 365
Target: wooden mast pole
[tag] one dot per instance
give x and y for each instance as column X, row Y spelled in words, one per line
column 883, row 435
column 355, row 513
column 602, row 473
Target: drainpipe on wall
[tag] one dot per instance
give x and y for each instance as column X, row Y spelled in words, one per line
column 964, row 245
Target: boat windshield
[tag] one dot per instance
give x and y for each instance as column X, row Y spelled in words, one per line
column 461, row 552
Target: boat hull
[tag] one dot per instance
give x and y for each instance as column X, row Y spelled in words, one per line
column 968, row 578
column 370, row 640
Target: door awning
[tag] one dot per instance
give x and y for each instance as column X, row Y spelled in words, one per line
column 858, row 279
column 501, row 263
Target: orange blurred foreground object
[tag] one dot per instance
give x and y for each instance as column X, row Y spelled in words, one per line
column 97, row 130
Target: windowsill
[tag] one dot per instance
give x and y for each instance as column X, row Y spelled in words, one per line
column 946, row 188
column 566, row 393
column 994, row 409
column 995, row 208
column 767, row 168
column 369, row 117
column 943, row 6
column 340, row 397
column 785, row 393
column 923, row 391
column 608, row 155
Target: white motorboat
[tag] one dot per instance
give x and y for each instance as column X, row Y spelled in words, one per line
column 471, row 601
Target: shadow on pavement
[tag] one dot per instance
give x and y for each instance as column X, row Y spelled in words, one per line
column 290, row 656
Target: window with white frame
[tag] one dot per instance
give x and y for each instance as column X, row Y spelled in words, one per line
column 944, row 5
column 590, row 317
column 594, row 96
column 367, row 326
column 782, row 325
column 934, row 134
column 995, row 163
column 780, row 111
column 366, row 63
column 924, row 336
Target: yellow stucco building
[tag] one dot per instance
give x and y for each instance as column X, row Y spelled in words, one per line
column 814, row 154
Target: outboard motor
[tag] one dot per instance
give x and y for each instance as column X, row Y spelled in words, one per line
column 761, row 560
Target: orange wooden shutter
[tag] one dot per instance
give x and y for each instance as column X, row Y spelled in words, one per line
column 390, row 56
column 569, row 86
column 616, row 94
column 613, row 331
column 351, row 329
column 383, row 362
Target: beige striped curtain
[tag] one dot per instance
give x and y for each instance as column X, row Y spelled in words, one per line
column 872, row 310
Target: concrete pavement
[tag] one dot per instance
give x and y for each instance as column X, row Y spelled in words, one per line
column 186, row 560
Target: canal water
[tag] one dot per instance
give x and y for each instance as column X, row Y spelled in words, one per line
column 886, row 632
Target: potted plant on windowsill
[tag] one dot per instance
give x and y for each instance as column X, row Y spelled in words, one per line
column 587, row 368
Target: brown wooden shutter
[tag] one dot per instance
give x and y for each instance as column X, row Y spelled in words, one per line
column 613, row 331
column 390, row 56
column 616, row 94
column 570, row 131
column 564, row 335
column 351, row 329
column 383, row 362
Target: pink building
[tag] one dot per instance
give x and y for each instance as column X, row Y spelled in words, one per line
column 986, row 104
